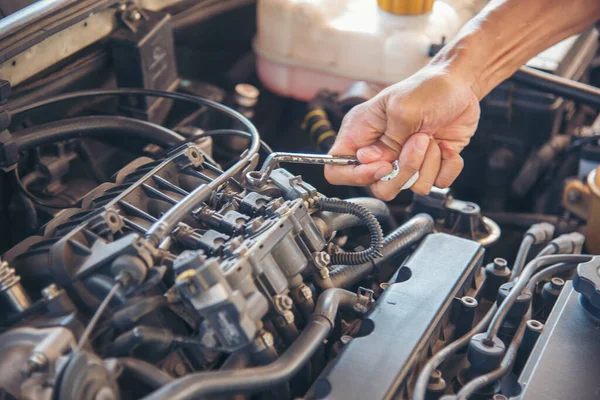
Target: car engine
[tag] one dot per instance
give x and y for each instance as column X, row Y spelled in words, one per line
column 168, row 233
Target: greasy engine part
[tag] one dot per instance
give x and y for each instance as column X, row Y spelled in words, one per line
column 417, row 310
column 180, row 279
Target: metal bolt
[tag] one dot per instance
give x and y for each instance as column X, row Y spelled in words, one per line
column 557, row 283
column 51, row 291
column 306, row 293
column 436, row 376
column 36, row 362
column 500, row 264
column 246, row 95
column 535, row 325
column 469, row 302
column 134, row 15
column 283, row 302
column 322, row 259
column 263, row 340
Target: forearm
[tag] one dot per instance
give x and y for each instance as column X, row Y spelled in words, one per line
column 508, row 33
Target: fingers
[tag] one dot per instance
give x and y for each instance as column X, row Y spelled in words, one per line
column 411, row 159
column 429, row 170
column 357, row 175
column 378, row 151
column 451, row 165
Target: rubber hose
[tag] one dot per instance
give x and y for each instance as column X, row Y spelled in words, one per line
column 198, row 385
column 95, row 126
column 100, row 285
column 145, row 372
column 368, row 219
column 127, row 317
column 338, row 222
column 396, row 242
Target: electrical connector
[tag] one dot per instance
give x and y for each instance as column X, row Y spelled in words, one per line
column 541, row 233
column 569, row 243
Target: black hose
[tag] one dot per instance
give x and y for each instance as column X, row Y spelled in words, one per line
column 127, row 317
column 559, row 86
column 537, row 163
column 145, row 372
column 163, row 227
column 337, row 222
column 368, row 219
column 214, row 133
column 195, row 386
column 95, row 126
column 395, row 243
column 100, row 285
column 161, row 339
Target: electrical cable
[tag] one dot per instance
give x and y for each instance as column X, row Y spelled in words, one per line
column 524, row 248
column 441, row 356
column 136, row 92
column 96, row 317
column 505, row 365
column 255, row 379
column 212, row 133
column 158, row 230
column 368, row 219
column 532, row 267
column 162, row 228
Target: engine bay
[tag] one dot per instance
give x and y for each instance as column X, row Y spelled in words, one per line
column 169, row 234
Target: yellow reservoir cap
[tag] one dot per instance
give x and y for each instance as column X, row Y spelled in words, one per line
column 406, row 7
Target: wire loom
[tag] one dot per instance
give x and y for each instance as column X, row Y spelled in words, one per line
column 368, row 219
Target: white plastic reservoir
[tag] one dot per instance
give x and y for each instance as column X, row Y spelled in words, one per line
column 304, row 46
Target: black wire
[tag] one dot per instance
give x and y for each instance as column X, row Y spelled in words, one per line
column 36, row 199
column 92, row 324
column 137, row 92
column 216, row 132
column 143, row 92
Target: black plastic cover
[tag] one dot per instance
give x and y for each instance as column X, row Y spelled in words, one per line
column 406, row 319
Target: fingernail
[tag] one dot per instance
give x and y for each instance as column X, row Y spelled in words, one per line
column 370, row 152
column 421, row 144
column 381, row 172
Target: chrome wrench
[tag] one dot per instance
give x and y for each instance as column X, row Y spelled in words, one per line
column 259, row 178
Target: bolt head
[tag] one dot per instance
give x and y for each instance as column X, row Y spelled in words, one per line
column 557, row 283
column 500, row 264
column 51, row 292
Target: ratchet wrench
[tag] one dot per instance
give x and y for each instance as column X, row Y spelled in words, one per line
column 258, row 179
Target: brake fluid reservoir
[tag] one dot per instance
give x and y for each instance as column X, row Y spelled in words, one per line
column 303, row 46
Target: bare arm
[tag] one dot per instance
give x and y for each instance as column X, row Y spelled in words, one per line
column 508, row 33
column 426, row 120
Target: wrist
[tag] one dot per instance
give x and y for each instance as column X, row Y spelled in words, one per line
column 459, row 59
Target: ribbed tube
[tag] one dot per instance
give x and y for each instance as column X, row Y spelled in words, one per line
column 396, row 242
column 368, row 219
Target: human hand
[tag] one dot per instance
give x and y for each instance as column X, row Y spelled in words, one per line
column 423, row 122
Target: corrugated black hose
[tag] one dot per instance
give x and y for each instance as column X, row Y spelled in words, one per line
column 395, row 243
column 368, row 219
